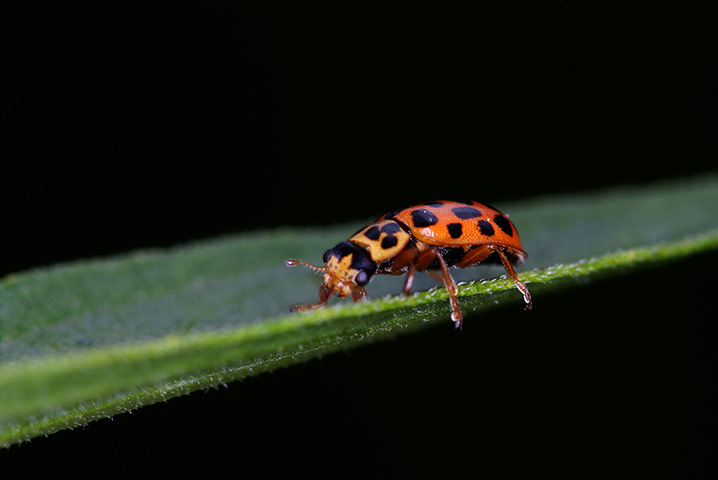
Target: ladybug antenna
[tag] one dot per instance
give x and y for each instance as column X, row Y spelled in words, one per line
column 293, row 263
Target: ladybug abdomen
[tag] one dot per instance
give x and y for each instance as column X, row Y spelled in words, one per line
column 452, row 256
column 459, row 224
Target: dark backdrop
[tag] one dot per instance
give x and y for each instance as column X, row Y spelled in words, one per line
column 124, row 128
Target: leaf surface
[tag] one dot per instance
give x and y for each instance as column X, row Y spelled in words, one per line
column 91, row 339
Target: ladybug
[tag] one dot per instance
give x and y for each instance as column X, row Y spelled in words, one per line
column 428, row 237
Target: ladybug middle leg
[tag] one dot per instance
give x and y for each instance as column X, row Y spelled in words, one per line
column 423, row 261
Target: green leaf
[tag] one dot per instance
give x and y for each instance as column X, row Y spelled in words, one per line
column 87, row 340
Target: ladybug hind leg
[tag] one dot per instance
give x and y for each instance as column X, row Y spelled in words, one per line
column 474, row 256
column 521, row 286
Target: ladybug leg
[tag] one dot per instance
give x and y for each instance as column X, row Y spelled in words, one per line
column 448, row 281
column 359, row 294
column 512, row 274
column 409, row 279
column 474, row 256
column 425, row 258
column 406, row 259
column 324, row 294
column 403, row 260
column 435, row 275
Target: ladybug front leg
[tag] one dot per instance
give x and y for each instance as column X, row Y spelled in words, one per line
column 406, row 260
column 324, row 294
column 409, row 279
column 359, row 294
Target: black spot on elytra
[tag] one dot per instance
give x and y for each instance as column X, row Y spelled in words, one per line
column 504, row 225
column 390, row 228
column 466, row 212
column 373, row 233
column 389, row 241
column 423, row 218
column 486, row 228
column 454, row 230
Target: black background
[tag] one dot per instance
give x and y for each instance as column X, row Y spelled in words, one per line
column 129, row 128
column 125, row 128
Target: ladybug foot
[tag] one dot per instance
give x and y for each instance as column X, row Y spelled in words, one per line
column 525, row 291
column 529, row 304
column 308, row 306
column 324, row 294
column 457, row 319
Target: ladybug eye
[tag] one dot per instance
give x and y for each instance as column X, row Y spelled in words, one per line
column 362, row 278
column 327, row 255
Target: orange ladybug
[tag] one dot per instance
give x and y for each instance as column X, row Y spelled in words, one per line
column 428, row 237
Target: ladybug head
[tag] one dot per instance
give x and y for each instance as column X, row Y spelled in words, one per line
column 348, row 267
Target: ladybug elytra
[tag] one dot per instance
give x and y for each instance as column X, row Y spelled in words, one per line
column 428, row 237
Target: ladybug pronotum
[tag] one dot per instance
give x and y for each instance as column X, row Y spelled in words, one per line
column 428, row 237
